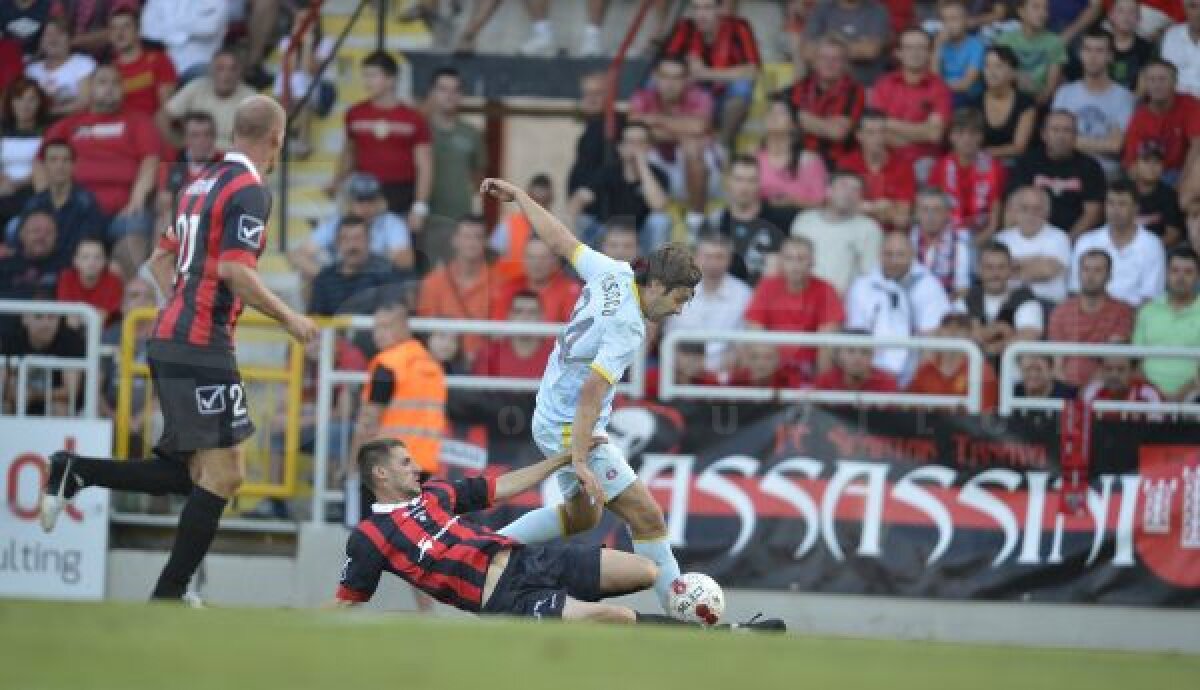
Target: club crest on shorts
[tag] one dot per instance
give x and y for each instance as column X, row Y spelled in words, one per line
column 250, row 231
column 210, row 399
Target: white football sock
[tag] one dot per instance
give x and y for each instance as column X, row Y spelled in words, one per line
column 536, row 526
column 659, row 551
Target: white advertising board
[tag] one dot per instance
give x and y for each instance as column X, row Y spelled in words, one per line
column 70, row 562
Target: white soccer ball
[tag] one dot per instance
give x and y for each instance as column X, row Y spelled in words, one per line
column 697, row 598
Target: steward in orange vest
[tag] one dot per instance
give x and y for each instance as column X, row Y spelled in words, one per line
column 405, row 396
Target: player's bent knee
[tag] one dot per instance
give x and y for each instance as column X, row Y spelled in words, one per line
column 643, row 573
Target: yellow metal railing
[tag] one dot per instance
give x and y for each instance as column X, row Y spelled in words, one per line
column 261, row 382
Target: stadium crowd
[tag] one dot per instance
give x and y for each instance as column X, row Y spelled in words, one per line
column 994, row 170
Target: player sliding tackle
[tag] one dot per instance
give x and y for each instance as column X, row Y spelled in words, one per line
column 574, row 402
column 416, row 531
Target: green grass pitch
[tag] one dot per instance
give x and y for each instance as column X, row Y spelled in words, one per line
column 47, row 646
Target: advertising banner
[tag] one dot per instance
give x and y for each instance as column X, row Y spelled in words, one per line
column 70, row 562
column 906, row 503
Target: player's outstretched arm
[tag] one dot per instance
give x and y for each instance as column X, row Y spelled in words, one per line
column 512, row 483
column 245, row 283
column 550, row 229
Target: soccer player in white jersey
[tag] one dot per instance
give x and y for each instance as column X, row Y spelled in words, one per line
column 574, row 402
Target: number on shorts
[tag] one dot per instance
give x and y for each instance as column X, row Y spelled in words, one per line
column 186, row 227
column 238, row 394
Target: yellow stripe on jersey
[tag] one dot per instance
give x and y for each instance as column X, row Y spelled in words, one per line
column 604, row 373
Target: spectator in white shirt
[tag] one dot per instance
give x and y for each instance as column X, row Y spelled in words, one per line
column 845, row 241
column 191, row 30
column 389, row 235
column 900, row 298
column 1138, row 259
column 1001, row 313
column 61, row 73
column 1040, row 251
column 219, row 94
column 1181, row 47
column 720, row 300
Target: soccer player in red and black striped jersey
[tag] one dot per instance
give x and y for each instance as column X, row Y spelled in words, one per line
column 416, row 531
column 207, row 262
column 722, row 53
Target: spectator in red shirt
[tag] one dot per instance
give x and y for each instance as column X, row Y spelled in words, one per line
column 199, row 150
column 971, row 177
column 12, row 63
column 853, row 371
column 88, row 280
column 544, row 278
column 889, row 185
column 390, row 140
column 679, row 115
column 1168, row 118
column 722, row 54
column 946, row 373
column 1120, row 380
column 462, row 288
column 761, row 367
column 517, row 356
column 796, row 301
column 147, row 76
column 828, row 102
column 1092, row 316
column 916, row 102
column 116, row 158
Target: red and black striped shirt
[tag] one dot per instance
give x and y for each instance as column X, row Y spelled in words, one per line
column 845, row 97
column 425, row 542
column 220, row 216
column 733, row 45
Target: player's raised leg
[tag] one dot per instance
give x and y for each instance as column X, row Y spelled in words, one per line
column 575, row 515
column 70, row 472
column 645, row 518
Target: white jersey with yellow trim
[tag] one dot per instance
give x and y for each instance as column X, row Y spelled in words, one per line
column 604, row 334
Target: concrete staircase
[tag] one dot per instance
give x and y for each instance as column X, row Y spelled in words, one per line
column 307, row 203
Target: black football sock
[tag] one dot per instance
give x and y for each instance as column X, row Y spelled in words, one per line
column 157, row 475
column 660, row 619
column 197, row 527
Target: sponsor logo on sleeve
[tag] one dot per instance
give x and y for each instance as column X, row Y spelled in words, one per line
column 250, row 231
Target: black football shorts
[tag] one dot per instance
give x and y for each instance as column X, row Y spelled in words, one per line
column 202, row 397
column 539, row 579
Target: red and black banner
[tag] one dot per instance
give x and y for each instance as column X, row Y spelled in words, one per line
column 916, row 504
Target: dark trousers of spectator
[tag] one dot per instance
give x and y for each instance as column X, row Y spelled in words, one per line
column 399, row 196
column 11, row 205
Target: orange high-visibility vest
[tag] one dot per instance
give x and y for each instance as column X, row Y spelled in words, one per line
column 512, row 264
column 416, row 413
